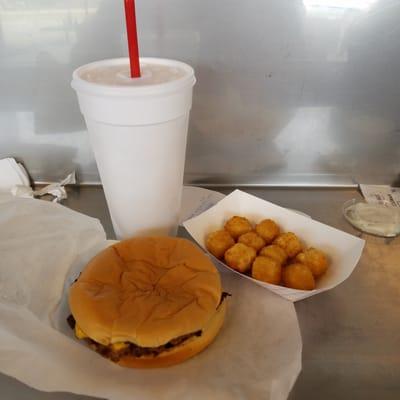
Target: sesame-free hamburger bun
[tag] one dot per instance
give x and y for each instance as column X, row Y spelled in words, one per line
column 148, row 302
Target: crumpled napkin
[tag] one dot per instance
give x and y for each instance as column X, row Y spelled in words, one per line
column 12, row 174
column 15, row 180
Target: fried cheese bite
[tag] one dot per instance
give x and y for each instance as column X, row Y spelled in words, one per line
column 240, row 257
column 275, row 252
column 298, row 276
column 315, row 259
column 253, row 240
column 267, row 270
column 268, row 230
column 237, row 226
column 218, row 242
column 290, row 243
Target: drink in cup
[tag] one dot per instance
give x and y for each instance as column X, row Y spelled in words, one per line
column 138, row 129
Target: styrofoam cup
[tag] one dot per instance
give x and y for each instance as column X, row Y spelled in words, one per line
column 138, row 129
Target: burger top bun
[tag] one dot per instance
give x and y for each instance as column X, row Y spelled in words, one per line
column 147, row 291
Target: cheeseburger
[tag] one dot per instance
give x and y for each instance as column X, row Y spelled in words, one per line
column 148, row 302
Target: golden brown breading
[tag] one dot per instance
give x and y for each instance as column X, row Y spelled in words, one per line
column 253, row 240
column 267, row 270
column 237, row 226
column 275, row 252
column 290, row 243
column 218, row 242
column 268, row 230
column 298, row 276
column 315, row 259
column 240, row 257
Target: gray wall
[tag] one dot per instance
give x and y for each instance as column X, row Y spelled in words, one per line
column 289, row 91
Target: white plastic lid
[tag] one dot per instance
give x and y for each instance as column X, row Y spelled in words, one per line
column 112, row 77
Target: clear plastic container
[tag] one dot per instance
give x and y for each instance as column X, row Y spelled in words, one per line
column 375, row 219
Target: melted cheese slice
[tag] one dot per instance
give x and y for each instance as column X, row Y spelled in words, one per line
column 79, row 332
column 119, row 346
column 114, row 346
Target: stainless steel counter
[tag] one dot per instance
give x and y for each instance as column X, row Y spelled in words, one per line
column 351, row 334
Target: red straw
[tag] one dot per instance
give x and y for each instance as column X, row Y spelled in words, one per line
column 130, row 17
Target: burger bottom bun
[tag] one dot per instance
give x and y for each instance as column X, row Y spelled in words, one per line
column 182, row 352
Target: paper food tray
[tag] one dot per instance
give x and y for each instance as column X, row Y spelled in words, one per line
column 344, row 250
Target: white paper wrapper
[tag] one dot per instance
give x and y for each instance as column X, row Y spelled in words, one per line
column 196, row 200
column 43, row 247
column 344, row 250
column 381, row 194
column 11, row 174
